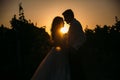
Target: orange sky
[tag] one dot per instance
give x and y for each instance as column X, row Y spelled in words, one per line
column 42, row 12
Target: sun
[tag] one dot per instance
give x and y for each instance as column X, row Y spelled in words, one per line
column 64, row 29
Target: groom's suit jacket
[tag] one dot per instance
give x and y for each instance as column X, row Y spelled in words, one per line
column 76, row 36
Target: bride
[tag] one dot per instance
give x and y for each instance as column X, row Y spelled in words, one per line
column 55, row 65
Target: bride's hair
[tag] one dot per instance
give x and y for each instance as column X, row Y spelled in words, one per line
column 57, row 24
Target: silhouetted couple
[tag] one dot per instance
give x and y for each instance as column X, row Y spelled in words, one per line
column 62, row 62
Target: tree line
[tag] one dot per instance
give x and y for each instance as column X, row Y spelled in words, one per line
column 24, row 46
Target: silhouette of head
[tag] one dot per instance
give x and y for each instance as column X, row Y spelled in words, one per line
column 68, row 15
column 57, row 24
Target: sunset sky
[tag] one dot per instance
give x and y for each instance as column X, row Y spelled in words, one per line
column 42, row 12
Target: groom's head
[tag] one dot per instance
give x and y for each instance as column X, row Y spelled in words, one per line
column 68, row 15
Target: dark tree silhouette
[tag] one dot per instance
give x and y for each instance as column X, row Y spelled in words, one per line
column 24, row 46
column 101, row 51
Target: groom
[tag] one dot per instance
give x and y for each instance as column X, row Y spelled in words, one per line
column 76, row 38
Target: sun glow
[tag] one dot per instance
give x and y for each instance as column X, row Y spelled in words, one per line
column 64, row 29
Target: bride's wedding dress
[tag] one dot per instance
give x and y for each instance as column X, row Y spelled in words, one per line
column 55, row 66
